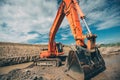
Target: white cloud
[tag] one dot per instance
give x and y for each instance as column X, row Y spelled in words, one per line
column 23, row 16
column 64, row 36
column 12, row 37
column 20, row 17
column 101, row 13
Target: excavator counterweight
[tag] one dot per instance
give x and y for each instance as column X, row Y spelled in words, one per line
column 83, row 60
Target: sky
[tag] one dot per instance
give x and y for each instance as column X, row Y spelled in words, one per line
column 29, row 21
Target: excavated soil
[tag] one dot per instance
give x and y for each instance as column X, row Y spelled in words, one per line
column 15, row 53
column 58, row 73
column 26, row 71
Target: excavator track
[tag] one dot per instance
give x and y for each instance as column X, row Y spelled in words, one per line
column 55, row 62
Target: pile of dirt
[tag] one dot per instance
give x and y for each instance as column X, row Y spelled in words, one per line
column 108, row 51
column 37, row 73
column 15, row 53
column 18, row 50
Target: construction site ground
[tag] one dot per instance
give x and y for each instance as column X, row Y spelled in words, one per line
column 26, row 71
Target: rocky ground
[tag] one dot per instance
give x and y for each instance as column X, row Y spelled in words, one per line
column 58, row 73
column 111, row 56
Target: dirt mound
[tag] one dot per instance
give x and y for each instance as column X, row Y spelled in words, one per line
column 107, row 51
column 18, row 50
column 14, row 53
column 37, row 73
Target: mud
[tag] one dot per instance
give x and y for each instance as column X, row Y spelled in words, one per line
column 7, row 69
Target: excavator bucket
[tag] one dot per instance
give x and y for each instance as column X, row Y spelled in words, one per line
column 74, row 69
column 83, row 64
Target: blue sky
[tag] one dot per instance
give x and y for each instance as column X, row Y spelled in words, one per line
column 29, row 21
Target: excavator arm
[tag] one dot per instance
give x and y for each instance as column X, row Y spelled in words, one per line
column 71, row 12
column 52, row 50
column 56, row 24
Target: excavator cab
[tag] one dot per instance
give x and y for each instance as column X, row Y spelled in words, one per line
column 59, row 47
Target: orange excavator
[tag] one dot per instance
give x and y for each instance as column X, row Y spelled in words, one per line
column 83, row 59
